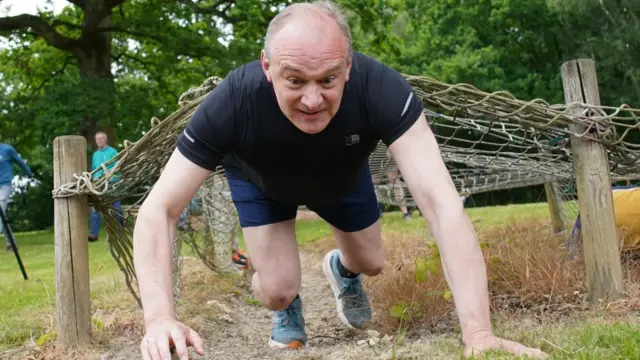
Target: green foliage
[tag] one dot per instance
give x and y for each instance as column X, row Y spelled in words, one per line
column 609, row 32
column 31, row 209
column 371, row 24
column 97, row 323
column 420, row 275
column 399, row 311
column 494, row 45
column 46, row 337
column 427, row 266
column 158, row 50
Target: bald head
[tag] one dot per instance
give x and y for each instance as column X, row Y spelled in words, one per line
column 307, row 58
column 316, row 21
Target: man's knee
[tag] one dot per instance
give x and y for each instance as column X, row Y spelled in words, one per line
column 280, row 298
column 275, row 295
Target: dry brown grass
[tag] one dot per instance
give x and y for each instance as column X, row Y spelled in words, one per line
column 528, row 269
column 117, row 317
column 411, row 291
column 527, row 266
column 529, row 277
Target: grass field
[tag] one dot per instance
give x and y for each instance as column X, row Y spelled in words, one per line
column 27, row 308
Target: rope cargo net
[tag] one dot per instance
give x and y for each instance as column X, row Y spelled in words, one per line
column 488, row 141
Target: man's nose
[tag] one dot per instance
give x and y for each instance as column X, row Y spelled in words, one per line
column 312, row 97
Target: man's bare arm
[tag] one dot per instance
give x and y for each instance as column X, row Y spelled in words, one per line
column 418, row 157
column 153, row 233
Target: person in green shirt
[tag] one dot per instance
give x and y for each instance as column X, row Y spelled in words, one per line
column 103, row 154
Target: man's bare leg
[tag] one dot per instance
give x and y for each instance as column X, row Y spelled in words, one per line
column 276, row 281
column 360, row 252
column 274, row 254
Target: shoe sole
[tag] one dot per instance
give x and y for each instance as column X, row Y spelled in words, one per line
column 326, row 268
column 295, row 345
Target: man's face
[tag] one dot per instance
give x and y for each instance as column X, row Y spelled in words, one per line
column 101, row 140
column 308, row 72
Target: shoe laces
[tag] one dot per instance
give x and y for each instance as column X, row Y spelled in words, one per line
column 350, row 288
column 289, row 316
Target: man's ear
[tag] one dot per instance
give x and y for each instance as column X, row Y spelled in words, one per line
column 266, row 65
column 348, row 70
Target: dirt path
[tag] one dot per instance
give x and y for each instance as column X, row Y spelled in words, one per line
column 243, row 332
column 248, row 339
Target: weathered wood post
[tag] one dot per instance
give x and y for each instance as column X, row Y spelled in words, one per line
column 554, row 208
column 71, row 214
column 553, row 201
column 599, row 238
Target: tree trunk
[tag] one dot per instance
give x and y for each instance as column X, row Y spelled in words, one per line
column 94, row 58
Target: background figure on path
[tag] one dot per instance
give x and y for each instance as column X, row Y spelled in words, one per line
column 395, row 184
column 103, row 154
column 8, row 155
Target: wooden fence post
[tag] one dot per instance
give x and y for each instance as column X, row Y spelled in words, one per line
column 554, row 208
column 71, row 214
column 593, row 181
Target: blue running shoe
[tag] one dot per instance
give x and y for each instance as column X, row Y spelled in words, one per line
column 351, row 301
column 288, row 327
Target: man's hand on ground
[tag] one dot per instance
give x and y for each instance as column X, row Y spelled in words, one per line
column 165, row 331
column 486, row 342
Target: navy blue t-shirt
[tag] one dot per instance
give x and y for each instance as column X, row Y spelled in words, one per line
column 240, row 126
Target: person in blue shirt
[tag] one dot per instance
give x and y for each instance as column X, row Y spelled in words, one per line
column 103, row 154
column 8, row 155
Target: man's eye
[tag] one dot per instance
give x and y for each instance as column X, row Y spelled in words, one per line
column 294, row 81
column 328, row 80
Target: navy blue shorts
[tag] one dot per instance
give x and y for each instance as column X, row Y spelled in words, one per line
column 356, row 211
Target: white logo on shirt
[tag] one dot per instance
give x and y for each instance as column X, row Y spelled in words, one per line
column 406, row 104
column 188, row 136
column 352, row 139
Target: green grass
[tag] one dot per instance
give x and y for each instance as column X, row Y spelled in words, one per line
column 482, row 218
column 582, row 338
column 604, row 341
column 27, row 308
column 578, row 338
column 308, row 231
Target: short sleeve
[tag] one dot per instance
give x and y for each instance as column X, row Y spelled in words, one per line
column 210, row 134
column 392, row 105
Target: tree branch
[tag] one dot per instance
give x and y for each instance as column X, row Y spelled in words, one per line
column 146, row 65
column 604, row 9
column 58, row 22
column 158, row 38
column 55, row 73
column 39, row 27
